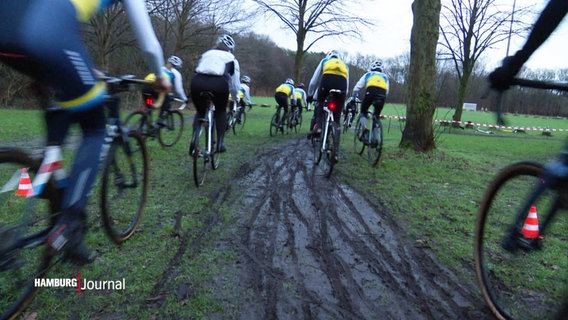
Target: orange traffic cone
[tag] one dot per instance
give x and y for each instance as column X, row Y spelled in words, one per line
column 25, row 188
column 530, row 229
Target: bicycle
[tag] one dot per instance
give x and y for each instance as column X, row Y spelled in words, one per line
column 33, row 187
column 349, row 113
column 521, row 262
column 277, row 124
column 295, row 119
column 168, row 133
column 202, row 146
column 372, row 139
column 236, row 117
column 325, row 144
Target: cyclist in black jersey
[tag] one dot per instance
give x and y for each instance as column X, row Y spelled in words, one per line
column 42, row 39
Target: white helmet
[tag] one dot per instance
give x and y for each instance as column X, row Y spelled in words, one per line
column 228, row 41
column 175, row 61
column 376, row 66
column 290, row 81
column 245, row 79
column 333, row 54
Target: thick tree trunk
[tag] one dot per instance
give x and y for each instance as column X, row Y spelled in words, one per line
column 418, row 133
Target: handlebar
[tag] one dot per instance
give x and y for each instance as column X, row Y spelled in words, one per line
column 122, row 84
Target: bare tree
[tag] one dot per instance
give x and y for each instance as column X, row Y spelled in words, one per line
column 469, row 28
column 418, row 133
column 320, row 18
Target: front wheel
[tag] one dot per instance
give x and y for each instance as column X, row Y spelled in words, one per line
column 138, row 120
column 23, row 220
column 521, row 274
column 124, row 186
column 172, row 130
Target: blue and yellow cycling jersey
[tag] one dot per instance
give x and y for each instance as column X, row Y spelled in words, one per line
column 285, row 88
column 86, row 9
column 376, row 79
column 165, row 73
column 335, row 66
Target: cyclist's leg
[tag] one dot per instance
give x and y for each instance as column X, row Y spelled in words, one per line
column 221, row 91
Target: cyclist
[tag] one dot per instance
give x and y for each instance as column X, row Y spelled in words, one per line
column 549, row 19
column 283, row 94
column 218, row 72
column 244, row 96
column 42, row 39
column 301, row 97
column 171, row 72
column 334, row 74
column 376, row 84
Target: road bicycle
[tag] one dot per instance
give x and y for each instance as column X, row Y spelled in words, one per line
column 202, row 147
column 277, row 124
column 31, row 193
column 349, row 113
column 370, row 139
column 236, row 118
column 168, row 130
column 521, row 243
column 325, row 144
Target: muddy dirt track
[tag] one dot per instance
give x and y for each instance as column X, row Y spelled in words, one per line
column 312, row 248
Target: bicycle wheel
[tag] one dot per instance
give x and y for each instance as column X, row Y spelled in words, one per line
column 374, row 152
column 24, row 224
column 230, row 121
column 274, row 125
column 239, row 126
column 170, row 134
column 347, row 122
column 124, row 186
column 358, row 145
column 138, row 120
column 330, row 153
column 530, row 282
column 199, row 141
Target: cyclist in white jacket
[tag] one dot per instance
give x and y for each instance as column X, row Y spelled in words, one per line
column 218, row 72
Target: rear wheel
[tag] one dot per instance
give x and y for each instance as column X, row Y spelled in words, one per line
column 22, row 219
column 374, row 152
column 199, row 141
column 173, row 129
column 274, row 125
column 358, row 145
column 240, row 123
column 124, row 186
column 330, row 153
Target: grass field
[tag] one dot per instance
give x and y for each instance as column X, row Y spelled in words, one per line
column 436, row 195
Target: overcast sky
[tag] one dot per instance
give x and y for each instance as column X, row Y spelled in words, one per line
column 391, row 35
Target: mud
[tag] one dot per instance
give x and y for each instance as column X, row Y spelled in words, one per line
column 312, row 248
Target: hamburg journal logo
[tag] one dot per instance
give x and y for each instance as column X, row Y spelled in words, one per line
column 82, row 284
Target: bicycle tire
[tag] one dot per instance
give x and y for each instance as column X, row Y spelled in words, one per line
column 199, row 159
column 230, row 121
column 347, row 122
column 523, row 284
column 124, row 187
column 170, row 134
column 138, row 120
column 238, row 127
column 330, row 153
column 274, row 125
column 358, row 145
column 374, row 153
column 17, row 287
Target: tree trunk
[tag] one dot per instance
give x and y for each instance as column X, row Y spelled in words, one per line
column 418, row 133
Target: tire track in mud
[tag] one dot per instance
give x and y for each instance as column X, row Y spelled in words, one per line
column 317, row 249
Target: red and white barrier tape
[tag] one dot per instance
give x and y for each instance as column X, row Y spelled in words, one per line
column 484, row 125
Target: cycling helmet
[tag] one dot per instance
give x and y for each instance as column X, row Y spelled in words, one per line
column 175, row 61
column 228, row 41
column 290, row 81
column 333, row 54
column 376, row 66
column 245, row 79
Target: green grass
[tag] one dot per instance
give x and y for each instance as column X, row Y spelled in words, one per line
column 171, row 262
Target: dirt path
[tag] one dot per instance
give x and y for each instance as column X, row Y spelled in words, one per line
column 312, row 248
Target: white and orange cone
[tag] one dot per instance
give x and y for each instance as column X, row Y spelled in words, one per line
column 25, row 188
column 530, row 229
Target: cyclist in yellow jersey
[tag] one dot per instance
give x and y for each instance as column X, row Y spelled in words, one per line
column 42, row 39
column 301, row 97
column 334, row 74
column 284, row 93
column 376, row 85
